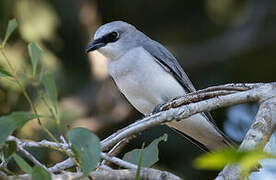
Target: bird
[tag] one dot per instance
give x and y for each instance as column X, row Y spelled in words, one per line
column 148, row 75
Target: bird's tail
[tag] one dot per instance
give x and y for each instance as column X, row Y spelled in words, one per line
column 199, row 130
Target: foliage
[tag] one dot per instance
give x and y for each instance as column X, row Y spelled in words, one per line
column 24, row 166
column 150, row 153
column 87, row 151
column 34, row 53
column 10, row 149
column 86, row 147
column 11, row 27
column 137, row 177
column 51, row 90
column 9, row 123
column 39, row 173
column 4, row 74
column 247, row 160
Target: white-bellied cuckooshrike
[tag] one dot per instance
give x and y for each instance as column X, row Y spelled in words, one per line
column 148, row 75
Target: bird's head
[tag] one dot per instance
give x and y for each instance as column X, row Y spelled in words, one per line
column 113, row 39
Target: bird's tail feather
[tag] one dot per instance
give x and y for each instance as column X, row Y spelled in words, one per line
column 199, row 130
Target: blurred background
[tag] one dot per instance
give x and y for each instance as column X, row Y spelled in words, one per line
column 215, row 41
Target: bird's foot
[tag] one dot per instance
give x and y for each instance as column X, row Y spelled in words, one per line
column 158, row 108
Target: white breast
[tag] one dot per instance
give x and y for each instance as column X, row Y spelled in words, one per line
column 143, row 81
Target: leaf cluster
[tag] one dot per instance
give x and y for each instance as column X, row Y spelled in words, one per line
column 84, row 144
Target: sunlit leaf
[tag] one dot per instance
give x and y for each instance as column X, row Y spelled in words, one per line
column 86, row 147
column 51, row 90
column 251, row 160
column 150, row 154
column 9, row 123
column 34, row 53
column 248, row 160
column 39, row 173
column 24, row 166
column 217, row 160
column 11, row 27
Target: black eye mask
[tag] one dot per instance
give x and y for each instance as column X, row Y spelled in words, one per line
column 100, row 42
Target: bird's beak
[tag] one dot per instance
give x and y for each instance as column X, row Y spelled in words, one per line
column 96, row 44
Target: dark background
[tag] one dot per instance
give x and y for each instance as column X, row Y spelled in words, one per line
column 215, row 41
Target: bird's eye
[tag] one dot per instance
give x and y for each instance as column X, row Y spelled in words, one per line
column 114, row 36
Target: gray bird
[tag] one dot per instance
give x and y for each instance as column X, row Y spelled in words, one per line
column 149, row 75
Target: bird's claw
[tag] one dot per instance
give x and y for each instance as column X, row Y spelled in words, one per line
column 157, row 108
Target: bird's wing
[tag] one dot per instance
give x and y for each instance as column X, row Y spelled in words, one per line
column 169, row 61
column 165, row 58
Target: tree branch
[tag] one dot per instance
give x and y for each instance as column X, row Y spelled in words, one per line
column 126, row 174
column 183, row 107
column 258, row 91
column 257, row 136
column 32, row 158
column 26, row 153
column 68, row 162
column 118, row 148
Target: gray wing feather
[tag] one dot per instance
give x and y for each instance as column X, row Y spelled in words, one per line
column 169, row 61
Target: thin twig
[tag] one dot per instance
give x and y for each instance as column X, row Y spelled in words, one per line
column 118, row 148
column 104, row 167
column 62, row 165
column 118, row 161
column 3, row 160
column 32, row 158
column 68, row 162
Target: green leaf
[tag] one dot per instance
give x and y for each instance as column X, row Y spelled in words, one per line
column 4, row 73
column 251, row 160
column 39, row 173
column 34, row 53
column 11, row 149
column 86, row 147
column 248, row 160
column 11, row 27
column 9, row 123
column 137, row 177
column 51, row 90
column 24, row 166
column 150, row 154
column 217, row 160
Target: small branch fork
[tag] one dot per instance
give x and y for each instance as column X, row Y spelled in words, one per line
column 105, row 172
column 181, row 108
